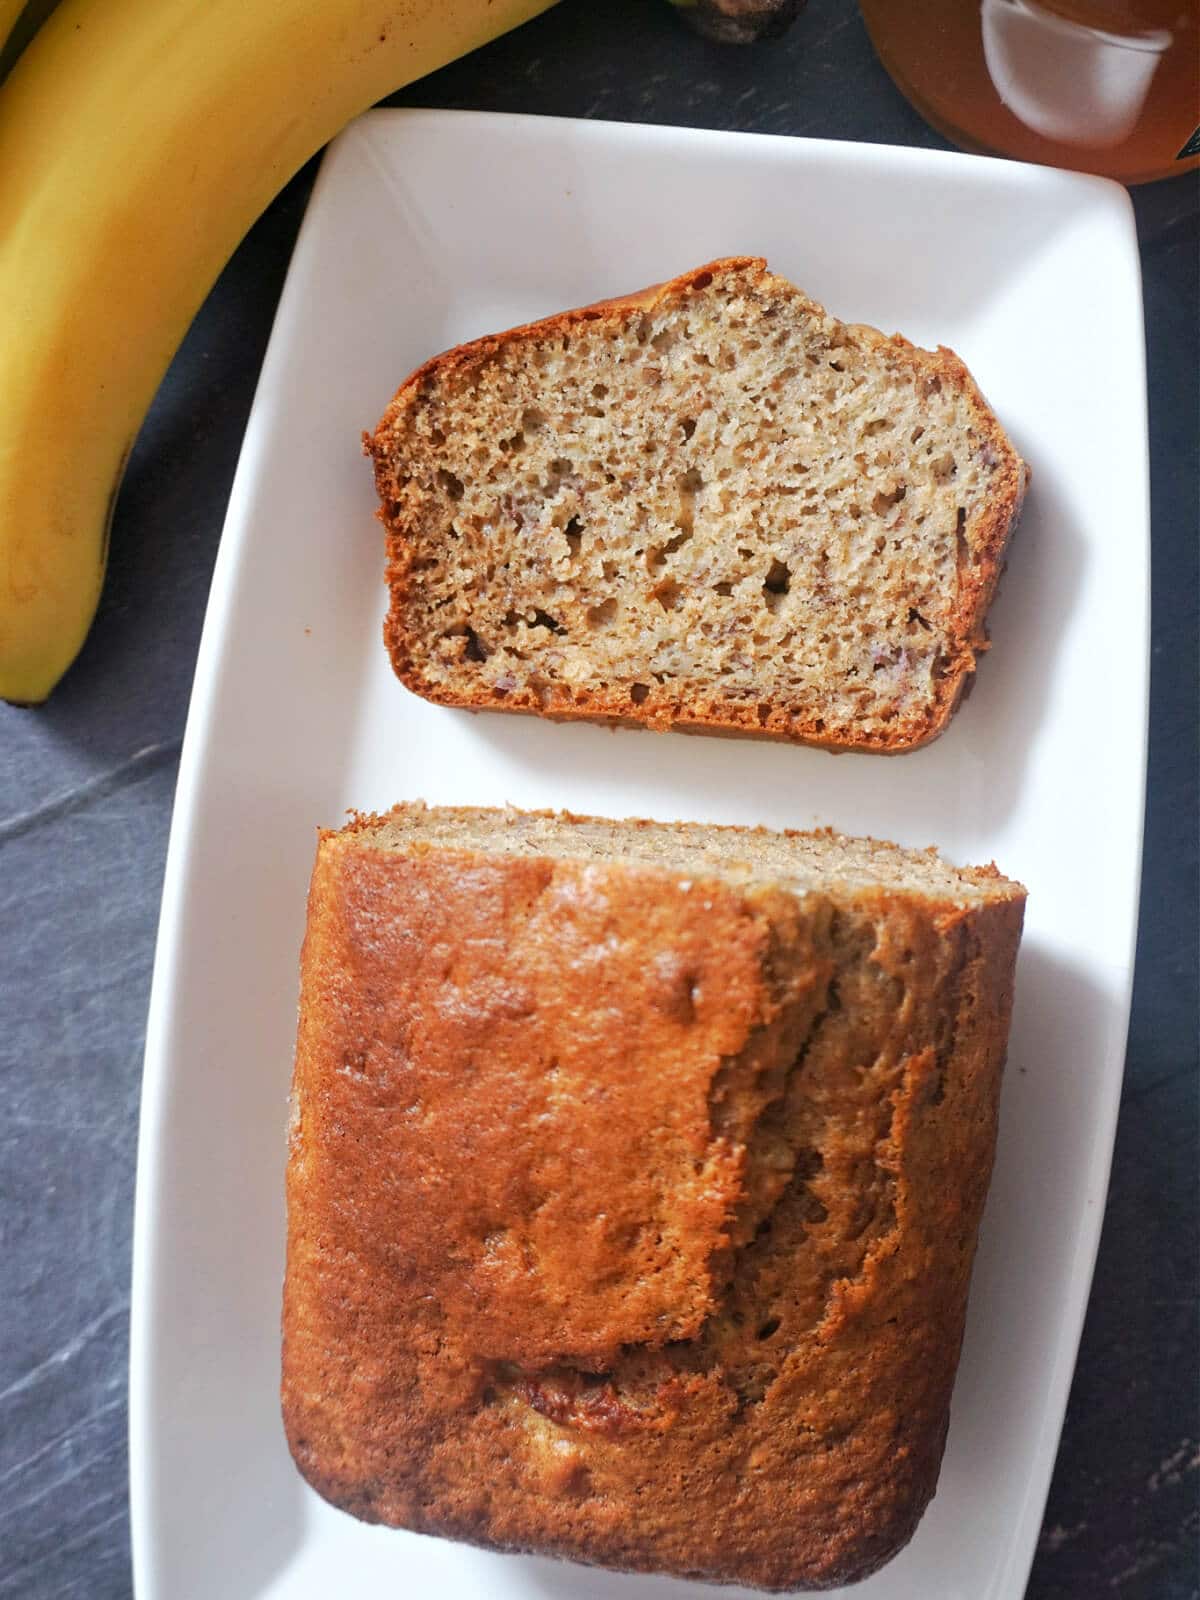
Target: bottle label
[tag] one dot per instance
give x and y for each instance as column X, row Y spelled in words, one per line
column 1191, row 148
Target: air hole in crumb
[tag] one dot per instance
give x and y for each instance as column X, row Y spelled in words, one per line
column 887, row 498
column 960, row 536
column 688, row 424
column 778, row 579
column 770, row 1326
column 473, row 650
column 723, row 588
column 560, row 467
column 667, row 593
column 916, row 434
column 944, row 468
column 702, row 280
column 599, row 391
column 639, row 692
column 915, row 616
column 764, row 713
column 450, row 484
column 602, row 615
column 543, row 619
column 573, row 534
column 532, row 419
column 837, row 366
column 692, row 481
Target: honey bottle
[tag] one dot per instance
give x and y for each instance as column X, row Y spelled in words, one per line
column 1104, row 86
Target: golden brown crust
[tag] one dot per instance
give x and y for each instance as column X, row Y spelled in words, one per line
column 978, row 570
column 631, row 1216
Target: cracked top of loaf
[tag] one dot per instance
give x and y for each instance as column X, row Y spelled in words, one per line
column 634, row 1179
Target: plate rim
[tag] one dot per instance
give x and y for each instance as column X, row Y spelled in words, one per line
column 195, row 749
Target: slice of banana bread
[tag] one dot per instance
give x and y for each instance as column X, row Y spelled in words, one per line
column 708, row 506
column 635, row 1173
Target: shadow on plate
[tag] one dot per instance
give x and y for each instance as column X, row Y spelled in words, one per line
column 1029, row 1285
column 1061, row 1088
column 257, row 1510
column 567, row 1580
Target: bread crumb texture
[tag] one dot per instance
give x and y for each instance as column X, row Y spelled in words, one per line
column 634, row 1181
column 707, row 506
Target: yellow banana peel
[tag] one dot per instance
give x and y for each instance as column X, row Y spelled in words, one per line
column 139, row 140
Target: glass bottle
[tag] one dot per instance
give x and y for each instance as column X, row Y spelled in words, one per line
column 1105, row 86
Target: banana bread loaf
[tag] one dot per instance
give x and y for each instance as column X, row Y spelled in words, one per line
column 634, row 1179
column 708, row 506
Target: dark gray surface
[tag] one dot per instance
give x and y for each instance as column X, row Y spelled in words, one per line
column 85, row 799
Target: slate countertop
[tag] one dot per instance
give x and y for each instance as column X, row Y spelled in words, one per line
column 86, row 786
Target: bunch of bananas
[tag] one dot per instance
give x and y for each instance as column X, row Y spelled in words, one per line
column 139, row 140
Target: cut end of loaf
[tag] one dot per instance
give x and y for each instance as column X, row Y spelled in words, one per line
column 799, row 862
column 709, row 506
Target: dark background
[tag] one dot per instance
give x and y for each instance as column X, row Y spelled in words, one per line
column 86, row 785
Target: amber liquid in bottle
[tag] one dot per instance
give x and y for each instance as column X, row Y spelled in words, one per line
column 1106, row 86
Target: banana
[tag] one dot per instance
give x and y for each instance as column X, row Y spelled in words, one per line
column 139, row 140
column 10, row 10
column 18, row 24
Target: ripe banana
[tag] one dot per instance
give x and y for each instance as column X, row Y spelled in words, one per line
column 10, row 10
column 139, row 139
column 18, row 24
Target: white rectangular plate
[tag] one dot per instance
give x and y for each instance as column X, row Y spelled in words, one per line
column 427, row 228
